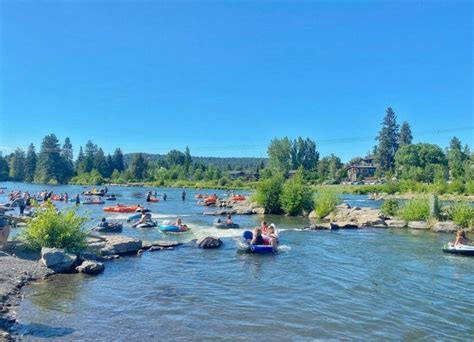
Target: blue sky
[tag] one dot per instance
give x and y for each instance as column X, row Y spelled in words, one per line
column 225, row 77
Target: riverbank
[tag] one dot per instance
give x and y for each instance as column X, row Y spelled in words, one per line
column 18, row 267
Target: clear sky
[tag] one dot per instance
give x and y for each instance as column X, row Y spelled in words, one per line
column 225, row 77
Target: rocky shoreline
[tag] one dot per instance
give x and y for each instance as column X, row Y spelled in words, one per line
column 347, row 217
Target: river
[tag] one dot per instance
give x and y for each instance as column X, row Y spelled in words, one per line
column 377, row 284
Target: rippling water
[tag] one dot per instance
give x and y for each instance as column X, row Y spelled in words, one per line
column 372, row 284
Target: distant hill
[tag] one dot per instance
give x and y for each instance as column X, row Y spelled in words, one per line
column 234, row 163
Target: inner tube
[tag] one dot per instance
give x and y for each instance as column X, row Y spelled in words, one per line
column 224, row 225
column 154, row 200
column 167, row 228
column 458, row 249
column 150, row 224
column 110, row 228
column 245, row 246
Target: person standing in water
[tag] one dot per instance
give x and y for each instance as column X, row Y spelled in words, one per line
column 164, row 197
column 183, row 195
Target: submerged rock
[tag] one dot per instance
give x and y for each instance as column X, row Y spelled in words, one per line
column 58, row 260
column 343, row 225
column 209, row 242
column 90, row 267
column 319, row 226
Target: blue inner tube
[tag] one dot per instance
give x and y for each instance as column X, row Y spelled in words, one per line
column 171, row 228
column 258, row 249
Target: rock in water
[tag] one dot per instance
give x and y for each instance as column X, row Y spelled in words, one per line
column 120, row 245
column 58, row 260
column 90, row 267
column 209, row 242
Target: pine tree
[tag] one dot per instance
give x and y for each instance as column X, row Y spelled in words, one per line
column 17, row 165
column 405, row 134
column 48, row 168
column 100, row 163
column 90, row 152
column 117, row 158
column 80, row 161
column 30, row 163
column 67, row 160
column 187, row 159
column 456, row 158
column 4, row 169
column 388, row 141
column 110, row 166
column 138, row 167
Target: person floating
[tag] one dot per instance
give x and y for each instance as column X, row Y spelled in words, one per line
column 257, row 237
column 461, row 238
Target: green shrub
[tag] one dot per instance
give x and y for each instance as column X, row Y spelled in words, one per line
column 268, row 194
column 52, row 228
column 390, row 207
column 456, row 187
column 325, row 202
column 296, row 197
column 462, row 214
column 415, row 210
column 469, row 188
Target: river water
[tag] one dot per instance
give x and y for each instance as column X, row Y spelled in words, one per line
column 377, row 284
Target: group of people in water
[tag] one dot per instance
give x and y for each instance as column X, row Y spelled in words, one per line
column 265, row 235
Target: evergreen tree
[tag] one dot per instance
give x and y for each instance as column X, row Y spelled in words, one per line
column 48, row 168
column 456, row 158
column 67, row 160
column 405, row 134
column 117, row 158
column 388, row 141
column 30, row 163
column 90, row 152
column 80, row 162
column 4, row 169
column 100, row 163
column 17, row 165
column 187, row 159
column 138, row 167
column 110, row 166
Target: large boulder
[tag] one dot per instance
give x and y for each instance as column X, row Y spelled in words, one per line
column 90, row 267
column 58, row 260
column 209, row 242
column 120, row 245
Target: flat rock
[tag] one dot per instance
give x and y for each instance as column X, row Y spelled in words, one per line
column 58, row 260
column 90, row 267
column 395, row 223
column 160, row 243
column 445, row 227
column 120, row 245
column 418, row 225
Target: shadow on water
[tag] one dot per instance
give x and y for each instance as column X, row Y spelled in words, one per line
column 41, row 330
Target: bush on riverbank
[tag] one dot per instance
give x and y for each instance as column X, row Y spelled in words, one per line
column 268, row 194
column 390, row 207
column 53, row 228
column 296, row 197
column 415, row 210
column 325, row 203
column 462, row 214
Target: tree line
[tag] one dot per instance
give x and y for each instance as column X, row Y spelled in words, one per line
column 395, row 154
